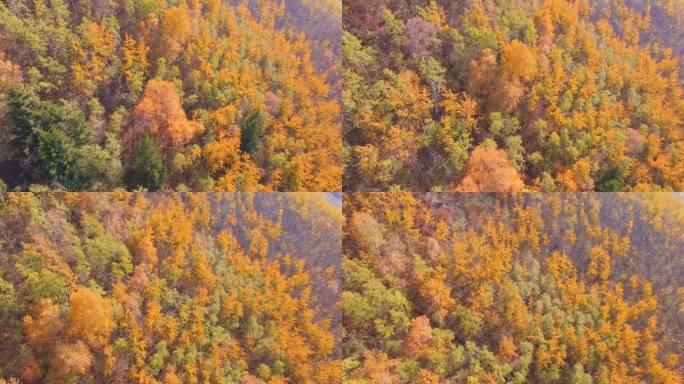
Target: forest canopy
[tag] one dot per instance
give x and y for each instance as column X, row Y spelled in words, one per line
column 169, row 288
column 534, row 95
column 513, row 288
column 198, row 95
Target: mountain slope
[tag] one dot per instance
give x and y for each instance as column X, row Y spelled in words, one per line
column 513, row 288
column 215, row 288
column 557, row 95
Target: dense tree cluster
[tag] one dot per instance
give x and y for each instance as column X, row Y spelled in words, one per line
column 559, row 95
column 173, row 288
column 170, row 95
column 515, row 288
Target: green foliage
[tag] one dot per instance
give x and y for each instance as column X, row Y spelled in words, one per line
column 49, row 137
column 372, row 306
column 43, row 283
column 147, row 169
column 251, row 135
column 7, row 298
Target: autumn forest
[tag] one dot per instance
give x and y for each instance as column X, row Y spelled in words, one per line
column 200, row 95
column 506, row 96
column 513, row 288
column 342, row 191
column 173, row 288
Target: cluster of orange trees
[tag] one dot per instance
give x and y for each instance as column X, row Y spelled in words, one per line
column 179, row 288
column 170, row 95
column 513, row 288
column 183, row 116
column 553, row 95
column 400, row 288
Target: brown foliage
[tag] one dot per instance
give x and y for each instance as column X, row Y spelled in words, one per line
column 10, row 75
column 45, row 329
column 419, row 336
column 68, row 359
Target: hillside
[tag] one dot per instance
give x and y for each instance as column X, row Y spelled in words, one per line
column 153, row 95
column 505, row 96
column 521, row 288
column 169, row 288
